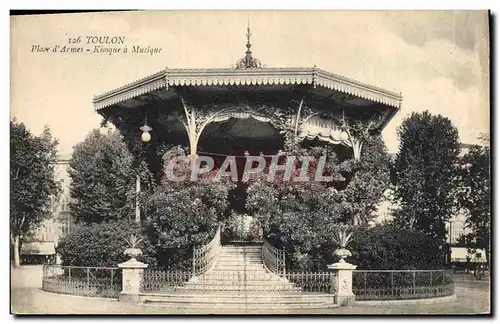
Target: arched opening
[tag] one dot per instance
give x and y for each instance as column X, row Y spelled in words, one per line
column 239, row 138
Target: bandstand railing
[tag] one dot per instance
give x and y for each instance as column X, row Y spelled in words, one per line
column 273, row 258
column 205, row 256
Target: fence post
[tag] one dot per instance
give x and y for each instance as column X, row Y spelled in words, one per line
column 392, row 283
column 283, row 260
column 194, row 261
column 88, row 281
column 342, row 283
column 132, row 273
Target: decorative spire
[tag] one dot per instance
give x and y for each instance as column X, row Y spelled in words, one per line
column 248, row 62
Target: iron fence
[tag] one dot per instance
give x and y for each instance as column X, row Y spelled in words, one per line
column 402, row 284
column 205, row 256
column 82, row 281
column 273, row 258
column 164, row 281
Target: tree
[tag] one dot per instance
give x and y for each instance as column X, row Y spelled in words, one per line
column 367, row 183
column 425, row 172
column 474, row 195
column 301, row 216
column 183, row 214
column 102, row 245
column 103, row 179
column 33, row 185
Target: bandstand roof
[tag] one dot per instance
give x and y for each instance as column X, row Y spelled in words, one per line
column 164, row 82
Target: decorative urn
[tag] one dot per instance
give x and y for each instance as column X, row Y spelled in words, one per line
column 342, row 253
column 133, row 252
column 342, row 237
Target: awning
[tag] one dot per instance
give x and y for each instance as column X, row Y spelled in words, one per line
column 38, row 248
column 461, row 254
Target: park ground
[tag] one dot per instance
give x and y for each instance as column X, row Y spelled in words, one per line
column 472, row 297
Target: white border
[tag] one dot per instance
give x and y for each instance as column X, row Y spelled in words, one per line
column 200, row 4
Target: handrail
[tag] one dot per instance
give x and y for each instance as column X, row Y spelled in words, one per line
column 273, row 259
column 205, row 256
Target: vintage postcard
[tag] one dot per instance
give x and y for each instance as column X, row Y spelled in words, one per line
column 250, row 162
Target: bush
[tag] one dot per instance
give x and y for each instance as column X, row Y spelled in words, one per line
column 241, row 227
column 102, row 245
column 389, row 247
column 184, row 214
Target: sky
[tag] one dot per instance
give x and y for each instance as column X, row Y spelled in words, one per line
column 438, row 60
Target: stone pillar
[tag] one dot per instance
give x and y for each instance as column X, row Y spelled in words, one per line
column 342, row 285
column 132, row 272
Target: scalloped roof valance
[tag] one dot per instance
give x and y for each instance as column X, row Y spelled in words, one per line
column 269, row 76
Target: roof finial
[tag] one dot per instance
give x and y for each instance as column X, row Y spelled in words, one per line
column 248, row 61
column 249, row 33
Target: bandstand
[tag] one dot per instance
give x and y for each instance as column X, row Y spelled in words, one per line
column 247, row 109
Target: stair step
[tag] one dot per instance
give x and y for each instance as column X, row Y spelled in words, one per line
column 235, row 300
column 238, row 288
column 242, row 261
column 236, row 253
column 238, row 294
column 241, row 251
column 226, row 301
column 237, row 308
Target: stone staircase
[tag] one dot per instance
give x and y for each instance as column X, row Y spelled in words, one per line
column 240, row 268
column 239, row 281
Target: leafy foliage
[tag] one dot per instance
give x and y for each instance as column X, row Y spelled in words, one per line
column 387, row 246
column 33, row 185
column 103, row 179
column 102, row 245
column 425, row 172
column 474, row 194
column 235, row 225
column 301, row 216
column 368, row 180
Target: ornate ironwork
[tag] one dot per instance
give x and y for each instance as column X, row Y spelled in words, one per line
column 273, row 259
column 82, row 281
column 237, row 281
column 402, row 284
column 204, row 257
column 308, row 281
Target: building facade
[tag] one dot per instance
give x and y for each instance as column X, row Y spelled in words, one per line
column 40, row 248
